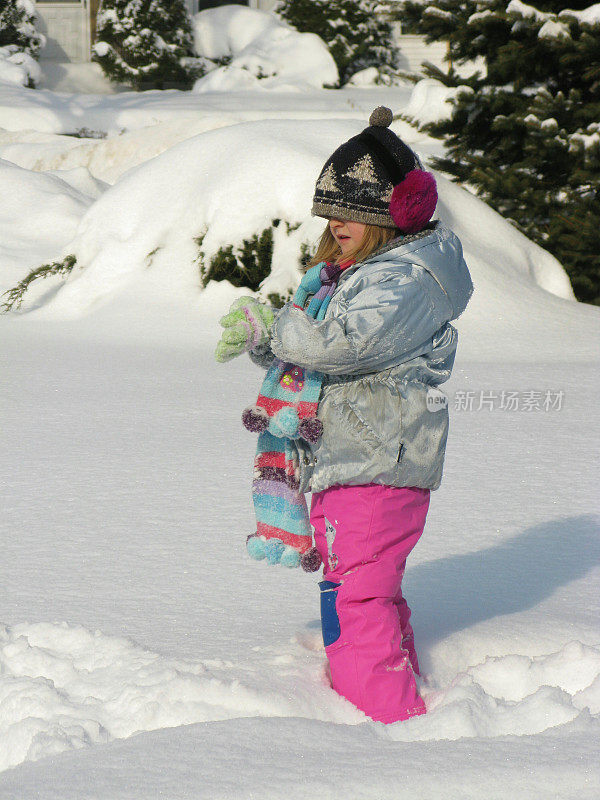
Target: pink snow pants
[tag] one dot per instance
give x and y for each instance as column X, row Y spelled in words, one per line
column 364, row 534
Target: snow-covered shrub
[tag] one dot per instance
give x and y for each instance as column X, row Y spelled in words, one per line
column 17, row 26
column 20, row 43
column 250, row 263
column 431, row 101
column 252, row 49
column 17, row 66
column 14, row 296
column 357, row 32
column 204, row 212
column 147, row 44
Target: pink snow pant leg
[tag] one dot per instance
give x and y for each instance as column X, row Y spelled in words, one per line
column 364, row 534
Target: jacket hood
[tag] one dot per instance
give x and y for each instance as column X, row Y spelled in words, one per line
column 438, row 251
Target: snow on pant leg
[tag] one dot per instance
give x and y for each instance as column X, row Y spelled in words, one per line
column 364, row 534
column 408, row 636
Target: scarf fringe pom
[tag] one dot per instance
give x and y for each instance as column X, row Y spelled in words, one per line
column 311, row 560
column 285, row 423
column 274, row 550
column 255, row 419
column 311, row 429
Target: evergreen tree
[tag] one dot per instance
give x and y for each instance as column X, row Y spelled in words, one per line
column 17, row 26
column 146, row 43
column 526, row 134
column 357, row 32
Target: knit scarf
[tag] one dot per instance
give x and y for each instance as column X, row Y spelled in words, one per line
column 286, row 409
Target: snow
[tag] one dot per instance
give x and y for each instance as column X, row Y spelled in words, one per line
column 73, row 77
column 143, row 229
column 18, row 67
column 63, row 687
column 527, row 11
column 589, row 15
column 430, row 101
column 264, row 53
column 65, row 112
column 142, row 654
column 54, row 209
column 554, row 30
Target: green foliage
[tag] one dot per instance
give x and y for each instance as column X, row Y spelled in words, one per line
column 15, row 295
column 527, row 134
column 147, row 44
column 305, row 255
column 357, row 32
column 17, row 27
column 277, row 300
column 248, row 265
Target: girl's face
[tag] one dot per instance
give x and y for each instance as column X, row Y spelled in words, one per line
column 348, row 235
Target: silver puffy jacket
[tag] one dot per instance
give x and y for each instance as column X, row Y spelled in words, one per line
column 384, row 342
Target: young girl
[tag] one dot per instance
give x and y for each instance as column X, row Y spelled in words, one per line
column 363, row 344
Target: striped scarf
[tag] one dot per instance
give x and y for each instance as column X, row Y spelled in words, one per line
column 286, row 409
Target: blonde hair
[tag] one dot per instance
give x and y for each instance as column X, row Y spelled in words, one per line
column 375, row 236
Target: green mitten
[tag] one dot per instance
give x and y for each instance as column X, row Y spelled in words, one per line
column 247, row 325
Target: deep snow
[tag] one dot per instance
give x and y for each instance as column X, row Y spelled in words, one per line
column 142, row 654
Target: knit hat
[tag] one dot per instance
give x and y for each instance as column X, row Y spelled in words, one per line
column 377, row 179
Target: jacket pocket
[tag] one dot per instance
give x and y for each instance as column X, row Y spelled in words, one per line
column 374, row 410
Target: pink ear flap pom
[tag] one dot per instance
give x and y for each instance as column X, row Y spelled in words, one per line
column 413, row 201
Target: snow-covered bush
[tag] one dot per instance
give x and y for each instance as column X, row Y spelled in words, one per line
column 40, row 212
column 431, row 101
column 525, row 136
column 17, row 66
column 20, row 43
column 252, row 49
column 357, row 32
column 146, row 44
column 229, row 208
column 17, row 26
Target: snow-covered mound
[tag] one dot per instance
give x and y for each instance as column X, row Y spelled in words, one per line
column 152, row 224
column 58, row 112
column 263, row 52
column 430, row 101
column 40, row 212
column 18, row 67
column 63, row 687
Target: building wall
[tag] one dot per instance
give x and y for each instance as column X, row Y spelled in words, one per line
column 66, row 26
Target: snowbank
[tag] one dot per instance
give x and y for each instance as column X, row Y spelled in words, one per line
column 262, row 52
column 40, row 214
column 63, row 687
column 58, row 112
column 167, row 216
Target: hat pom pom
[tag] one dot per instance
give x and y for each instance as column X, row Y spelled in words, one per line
column 381, row 117
column 413, row 201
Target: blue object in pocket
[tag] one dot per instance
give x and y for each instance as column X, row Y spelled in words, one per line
column 330, row 621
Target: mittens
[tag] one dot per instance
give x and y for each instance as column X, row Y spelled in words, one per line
column 247, row 325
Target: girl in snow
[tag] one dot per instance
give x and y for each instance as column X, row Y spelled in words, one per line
column 349, row 410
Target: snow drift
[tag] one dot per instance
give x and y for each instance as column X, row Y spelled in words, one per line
column 262, row 52
column 147, row 228
column 63, row 687
column 43, row 202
